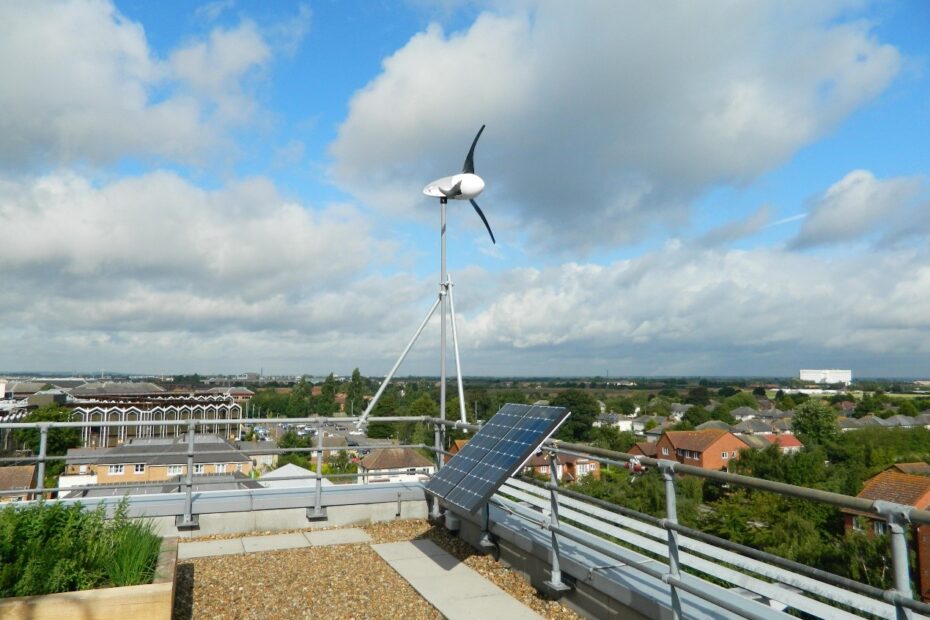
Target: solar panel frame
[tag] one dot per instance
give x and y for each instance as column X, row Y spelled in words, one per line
column 495, row 453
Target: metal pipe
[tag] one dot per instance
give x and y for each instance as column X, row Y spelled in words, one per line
column 443, row 291
column 824, row 497
column 901, row 563
column 43, row 450
column 318, row 497
column 750, row 552
column 189, row 481
column 455, row 347
column 671, row 515
column 555, row 581
column 400, row 360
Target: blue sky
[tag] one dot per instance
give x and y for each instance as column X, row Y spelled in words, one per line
column 225, row 186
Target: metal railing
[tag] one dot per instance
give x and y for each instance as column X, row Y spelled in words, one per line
column 572, row 516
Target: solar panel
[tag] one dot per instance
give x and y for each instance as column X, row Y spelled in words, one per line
column 495, row 453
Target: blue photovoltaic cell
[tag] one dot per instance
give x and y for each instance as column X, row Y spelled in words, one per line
column 495, row 453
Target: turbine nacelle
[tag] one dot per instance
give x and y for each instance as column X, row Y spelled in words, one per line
column 463, row 186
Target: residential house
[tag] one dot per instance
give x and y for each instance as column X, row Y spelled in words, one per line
column 569, row 468
column 871, row 420
column 906, row 489
column 395, row 465
column 848, row 424
column 716, row 424
column 645, row 448
column 678, row 410
column 457, row 444
column 640, row 423
column 18, row 478
column 710, row 449
column 262, row 453
column 622, row 423
column 152, row 460
column 744, row 413
column 916, row 469
column 238, row 394
column 291, row 476
column 787, row 444
column 752, row 426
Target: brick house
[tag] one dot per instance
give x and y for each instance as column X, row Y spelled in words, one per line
column 710, row 449
column 570, row 468
column 788, row 444
column 20, row 478
column 906, row 489
column 645, row 448
column 152, row 460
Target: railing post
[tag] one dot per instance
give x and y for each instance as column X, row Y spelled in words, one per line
column 435, row 512
column 671, row 516
column 898, row 518
column 555, row 584
column 43, row 450
column 318, row 514
column 188, row 521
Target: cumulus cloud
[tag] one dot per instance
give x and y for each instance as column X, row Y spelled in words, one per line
column 739, row 229
column 81, row 83
column 860, row 205
column 607, row 119
column 687, row 310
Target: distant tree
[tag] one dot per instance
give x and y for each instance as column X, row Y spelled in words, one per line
column 758, row 391
column 355, row 393
column 611, row 439
column 727, row 391
column 58, row 442
column 698, row 396
column 741, row 399
column 815, row 422
column 669, row 393
column 696, row 415
column 584, row 410
column 906, row 407
column 621, row 404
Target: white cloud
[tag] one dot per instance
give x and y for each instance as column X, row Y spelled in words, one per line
column 81, row 84
column 682, row 310
column 860, row 205
column 607, row 113
column 739, row 229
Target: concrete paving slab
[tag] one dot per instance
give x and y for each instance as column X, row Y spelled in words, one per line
column 188, row 550
column 345, row 536
column 457, row 591
column 256, row 544
column 407, row 550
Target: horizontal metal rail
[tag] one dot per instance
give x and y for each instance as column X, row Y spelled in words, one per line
column 207, row 421
column 878, row 508
column 722, row 543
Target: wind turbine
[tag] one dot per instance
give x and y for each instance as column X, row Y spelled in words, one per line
column 465, row 185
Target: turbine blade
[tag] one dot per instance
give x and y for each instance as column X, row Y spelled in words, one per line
column 469, row 166
column 483, row 219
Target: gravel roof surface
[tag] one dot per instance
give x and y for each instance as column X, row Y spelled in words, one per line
column 342, row 581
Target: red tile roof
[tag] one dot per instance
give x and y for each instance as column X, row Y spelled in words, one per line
column 784, row 441
column 646, row 448
column 395, row 458
column 892, row 486
column 698, row 441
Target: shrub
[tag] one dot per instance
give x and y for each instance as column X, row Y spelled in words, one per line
column 48, row 548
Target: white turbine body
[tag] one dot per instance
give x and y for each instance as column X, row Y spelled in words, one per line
column 463, row 186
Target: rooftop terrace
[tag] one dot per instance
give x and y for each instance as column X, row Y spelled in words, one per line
column 599, row 559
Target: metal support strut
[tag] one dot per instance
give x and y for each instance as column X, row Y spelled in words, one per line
column 555, row 584
column 671, row 516
column 318, row 513
column 189, row 521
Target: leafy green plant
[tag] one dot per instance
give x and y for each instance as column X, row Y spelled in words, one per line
column 48, row 548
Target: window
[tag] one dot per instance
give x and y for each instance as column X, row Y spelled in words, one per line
column 115, row 470
column 239, row 467
column 723, row 455
column 219, row 468
column 412, row 470
column 175, row 470
column 879, row 527
column 857, row 524
column 665, row 451
column 198, row 469
column 83, row 469
column 139, row 468
column 680, row 452
column 733, row 454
